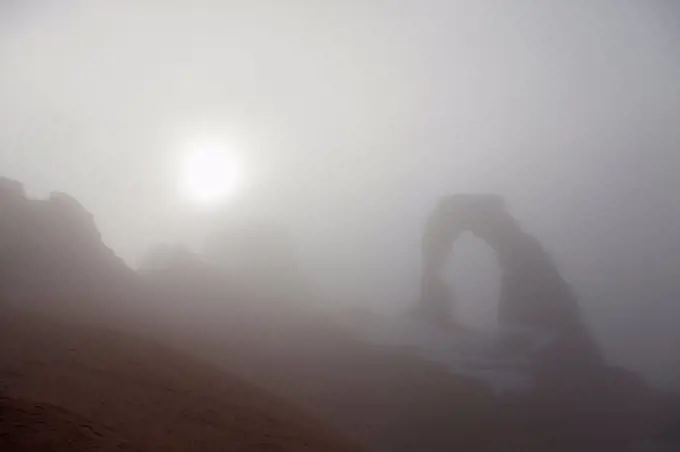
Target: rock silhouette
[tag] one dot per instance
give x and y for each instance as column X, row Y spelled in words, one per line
column 533, row 295
column 53, row 254
column 387, row 399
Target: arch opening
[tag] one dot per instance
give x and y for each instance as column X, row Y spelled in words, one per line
column 474, row 278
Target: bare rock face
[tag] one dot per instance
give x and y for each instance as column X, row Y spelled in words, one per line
column 51, row 250
column 533, row 296
column 11, row 190
column 387, row 398
column 575, row 393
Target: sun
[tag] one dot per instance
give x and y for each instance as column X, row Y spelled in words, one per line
column 209, row 174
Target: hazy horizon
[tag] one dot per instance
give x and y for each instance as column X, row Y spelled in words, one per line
column 351, row 121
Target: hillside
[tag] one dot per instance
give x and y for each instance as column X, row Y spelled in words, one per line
column 87, row 362
column 69, row 387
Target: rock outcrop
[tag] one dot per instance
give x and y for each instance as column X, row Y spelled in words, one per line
column 387, row 398
column 534, row 296
column 51, row 250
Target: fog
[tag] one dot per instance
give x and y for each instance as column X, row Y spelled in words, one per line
column 353, row 119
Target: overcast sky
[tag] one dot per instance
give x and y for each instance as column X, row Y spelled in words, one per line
column 353, row 117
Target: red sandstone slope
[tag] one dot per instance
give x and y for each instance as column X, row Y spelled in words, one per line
column 69, row 387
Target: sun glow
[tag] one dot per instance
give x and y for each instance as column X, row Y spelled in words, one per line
column 209, row 174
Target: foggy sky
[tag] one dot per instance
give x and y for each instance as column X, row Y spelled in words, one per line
column 353, row 118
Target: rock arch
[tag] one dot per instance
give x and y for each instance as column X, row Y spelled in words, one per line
column 533, row 295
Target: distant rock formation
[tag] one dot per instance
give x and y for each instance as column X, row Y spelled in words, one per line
column 260, row 256
column 388, row 398
column 51, row 249
column 11, row 190
column 533, row 294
